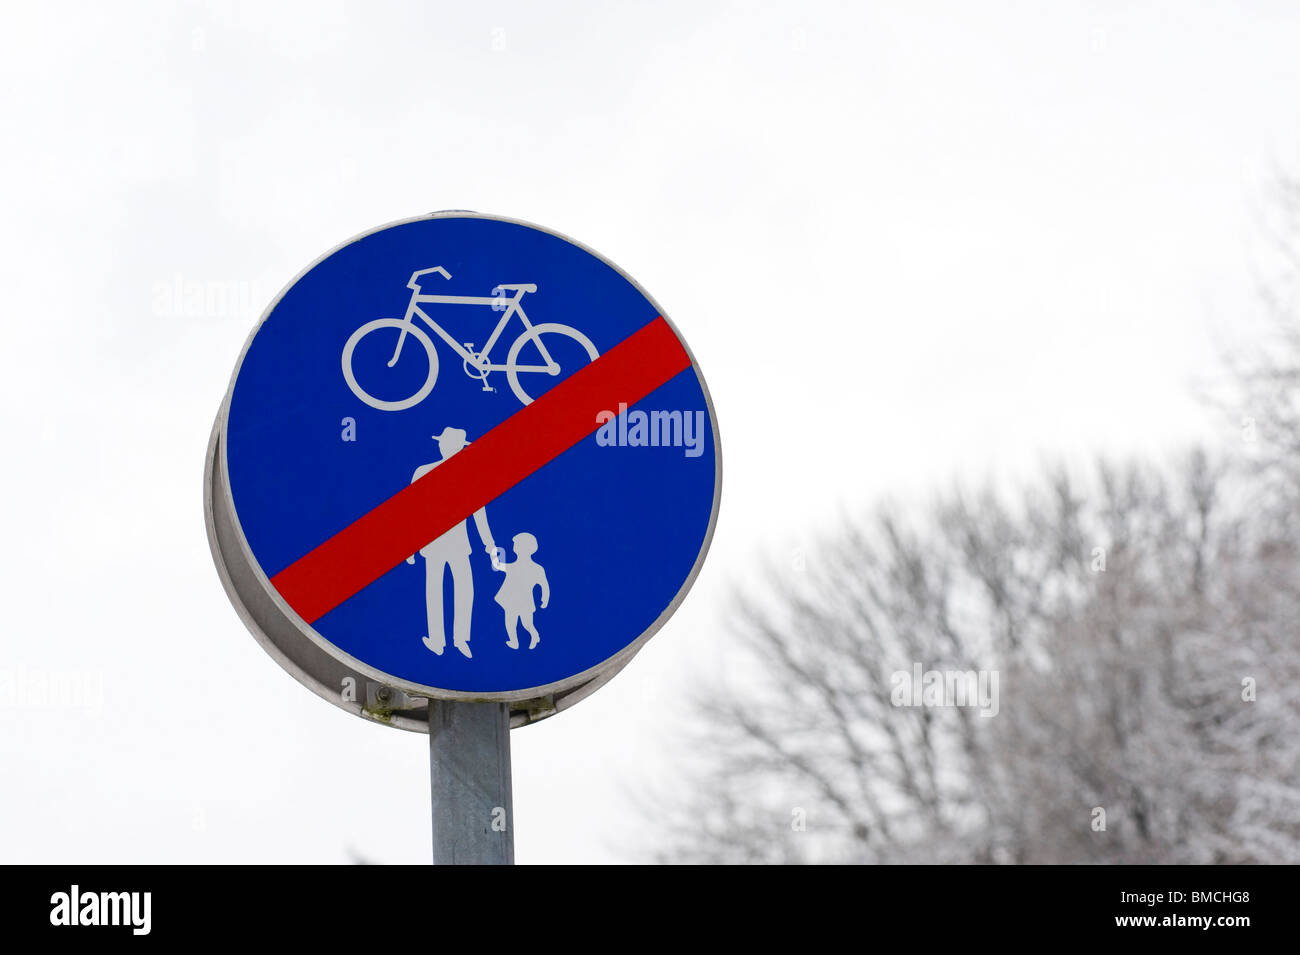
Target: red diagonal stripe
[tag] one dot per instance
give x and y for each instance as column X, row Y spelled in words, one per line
column 378, row 541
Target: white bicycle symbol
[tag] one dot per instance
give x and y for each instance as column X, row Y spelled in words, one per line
column 476, row 363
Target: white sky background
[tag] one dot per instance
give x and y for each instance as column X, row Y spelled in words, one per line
column 908, row 243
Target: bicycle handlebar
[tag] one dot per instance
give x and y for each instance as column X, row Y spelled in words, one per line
column 415, row 283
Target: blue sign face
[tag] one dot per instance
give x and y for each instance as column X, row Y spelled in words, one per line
column 471, row 458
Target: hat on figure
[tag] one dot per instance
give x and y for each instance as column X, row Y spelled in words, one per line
column 451, row 440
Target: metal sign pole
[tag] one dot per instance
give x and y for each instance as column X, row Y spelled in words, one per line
column 469, row 764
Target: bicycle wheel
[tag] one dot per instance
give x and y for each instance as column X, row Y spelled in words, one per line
column 381, row 403
column 563, row 356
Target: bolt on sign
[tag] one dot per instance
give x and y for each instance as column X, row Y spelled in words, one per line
column 462, row 458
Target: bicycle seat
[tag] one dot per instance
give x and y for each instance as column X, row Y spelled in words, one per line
column 517, row 288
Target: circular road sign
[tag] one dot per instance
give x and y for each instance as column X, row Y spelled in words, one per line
column 461, row 457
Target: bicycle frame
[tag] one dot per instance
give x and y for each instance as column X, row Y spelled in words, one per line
column 513, row 307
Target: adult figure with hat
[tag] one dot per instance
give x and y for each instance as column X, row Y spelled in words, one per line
column 451, row 552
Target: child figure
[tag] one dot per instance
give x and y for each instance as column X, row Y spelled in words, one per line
column 516, row 594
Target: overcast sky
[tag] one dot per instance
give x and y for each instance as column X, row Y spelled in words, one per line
column 907, row 242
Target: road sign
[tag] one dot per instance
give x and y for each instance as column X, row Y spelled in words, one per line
column 462, row 458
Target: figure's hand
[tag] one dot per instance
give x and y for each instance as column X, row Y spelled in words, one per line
column 544, row 603
column 411, row 559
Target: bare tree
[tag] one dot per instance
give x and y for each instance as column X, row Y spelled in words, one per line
column 1142, row 634
column 1141, row 622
